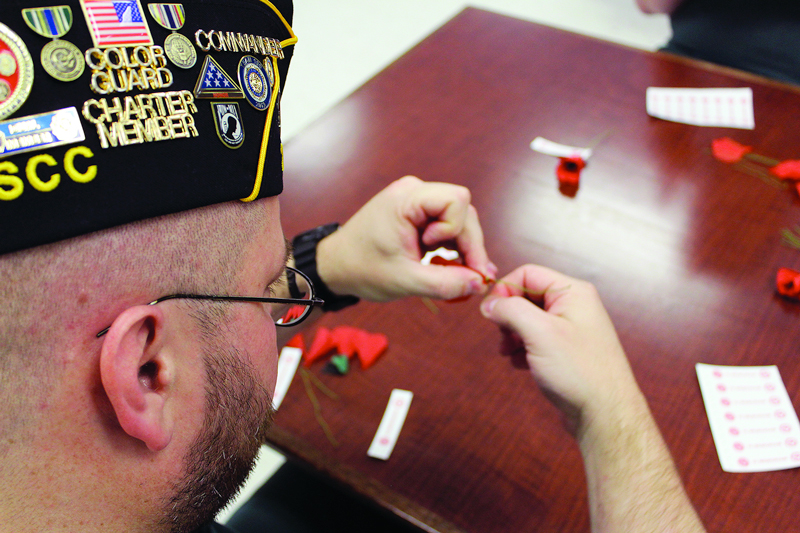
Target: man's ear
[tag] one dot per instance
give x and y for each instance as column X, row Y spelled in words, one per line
column 137, row 375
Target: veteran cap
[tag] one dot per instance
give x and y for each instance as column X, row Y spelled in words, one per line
column 113, row 111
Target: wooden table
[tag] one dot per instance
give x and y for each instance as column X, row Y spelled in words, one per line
column 683, row 249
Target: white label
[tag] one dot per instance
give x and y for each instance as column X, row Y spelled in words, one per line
column 287, row 367
column 752, row 420
column 391, row 424
column 732, row 108
column 543, row 146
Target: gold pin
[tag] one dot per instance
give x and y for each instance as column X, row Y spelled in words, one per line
column 16, row 72
column 178, row 47
column 61, row 59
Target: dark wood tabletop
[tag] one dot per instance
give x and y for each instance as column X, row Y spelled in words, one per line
column 683, row 249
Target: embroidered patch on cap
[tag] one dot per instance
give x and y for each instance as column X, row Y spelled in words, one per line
column 112, row 130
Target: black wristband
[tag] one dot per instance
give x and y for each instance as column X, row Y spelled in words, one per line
column 305, row 260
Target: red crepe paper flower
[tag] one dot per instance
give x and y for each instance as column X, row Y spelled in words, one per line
column 297, row 342
column 788, row 282
column 569, row 169
column 729, row 151
column 345, row 338
column 370, row 346
column 437, row 260
column 349, row 341
column 320, row 346
column 787, row 170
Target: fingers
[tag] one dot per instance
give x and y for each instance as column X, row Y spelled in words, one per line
column 444, row 282
column 454, row 219
column 515, row 314
column 569, row 342
column 379, row 252
column 471, row 245
column 538, row 284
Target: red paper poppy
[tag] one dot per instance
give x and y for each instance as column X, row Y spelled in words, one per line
column 321, row 345
column 437, row 260
column 345, row 338
column 569, row 169
column 729, row 151
column 788, row 283
column 297, row 342
column 787, row 170
column 370, row 346
column 348, row 341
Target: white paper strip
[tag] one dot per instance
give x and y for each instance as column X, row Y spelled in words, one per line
column 287, row 367
column 543, row 146
column 753, row 422
column 444, row 253
column 731, row 108
column 391, row 424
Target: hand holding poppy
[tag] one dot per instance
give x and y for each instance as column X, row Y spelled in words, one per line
column 568, row 340
column 574, row 354
column 376, row 254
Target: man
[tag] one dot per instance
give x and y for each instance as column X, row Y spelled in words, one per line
column 123, row 410
column 156, row 422
column 759, row 37
column 121, row 185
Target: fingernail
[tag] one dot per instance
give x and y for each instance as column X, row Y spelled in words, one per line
column 475, row 286
column 487, row 306
column 493, row 270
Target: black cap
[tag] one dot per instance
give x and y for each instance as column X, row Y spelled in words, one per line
column 142, row 130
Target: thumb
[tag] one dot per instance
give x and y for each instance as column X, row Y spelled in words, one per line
column 444, row 282
column 514, row 313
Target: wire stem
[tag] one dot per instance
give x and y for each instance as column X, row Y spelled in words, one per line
column 430, row 305
column 764, row 160
column 317, row 408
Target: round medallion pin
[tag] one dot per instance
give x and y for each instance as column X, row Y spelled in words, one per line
column 178, row 47
column 255, row 82
column 180, row 51
column 16, row 72
column 62, row 60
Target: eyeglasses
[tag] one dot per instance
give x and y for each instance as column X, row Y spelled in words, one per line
column 286, row 312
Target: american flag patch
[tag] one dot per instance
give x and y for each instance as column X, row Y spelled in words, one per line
column 116, row 23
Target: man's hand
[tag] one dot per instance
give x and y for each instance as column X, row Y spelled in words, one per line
column 574, row 354
column 376, row 254
column 569, row 342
